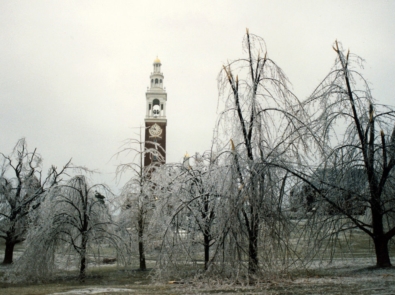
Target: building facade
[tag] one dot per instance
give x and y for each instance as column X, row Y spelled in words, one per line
column 155, row 118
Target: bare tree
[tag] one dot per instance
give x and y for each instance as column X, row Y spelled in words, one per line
column 189, row 200
column 22, row 186
column 263, row 118
column 183, row 219
column 137, row 196
column 202, row 199
column 355, row 138
column 74, row 220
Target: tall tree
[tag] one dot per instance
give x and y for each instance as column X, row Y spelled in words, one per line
column 355, row 138
column 21, row 189
column 137, row 196
column 261, row 118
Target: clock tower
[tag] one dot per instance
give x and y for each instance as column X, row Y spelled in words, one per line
column 155, row 117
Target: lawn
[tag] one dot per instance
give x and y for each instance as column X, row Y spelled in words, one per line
column 347, row 277
column 346, row 274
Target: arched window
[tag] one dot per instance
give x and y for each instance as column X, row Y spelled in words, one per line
column 152, row 80
column 155, row 107
column 160, row 81
column 156, row 81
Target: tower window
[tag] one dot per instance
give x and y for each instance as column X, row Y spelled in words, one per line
column 160, row 81
column 156, row 81
column 149, row 107
column 161, row 106
column 155, row 106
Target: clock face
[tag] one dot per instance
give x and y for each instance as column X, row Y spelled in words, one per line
column 155, row 130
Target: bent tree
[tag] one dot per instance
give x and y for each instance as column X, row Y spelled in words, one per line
column 260, row 118
column 356, row 140
column 137, row 197
column 186, row 216
column 22, row 186
column 200, row 195
column 74, row 220
column 195, row 202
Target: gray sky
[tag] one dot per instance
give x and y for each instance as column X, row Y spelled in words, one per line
column 73, row 74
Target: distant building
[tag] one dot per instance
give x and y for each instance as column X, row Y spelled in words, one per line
column 347, row 189
column 155, row 118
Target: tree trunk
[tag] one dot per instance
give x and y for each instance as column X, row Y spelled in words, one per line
column 141, row 244
column 142, row 255
column 83, row 258
column 82, row 268
column 207, row 229
column 206, row 250
column 381, row 250
column 9, row 251
column 380, row 242
column 253, row 249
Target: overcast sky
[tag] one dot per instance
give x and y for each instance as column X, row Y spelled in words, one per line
column 73, row 74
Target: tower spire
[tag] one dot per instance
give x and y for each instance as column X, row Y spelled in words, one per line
column 155, row 119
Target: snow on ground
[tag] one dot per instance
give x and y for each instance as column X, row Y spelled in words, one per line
column 87, row 291
column 336, row 279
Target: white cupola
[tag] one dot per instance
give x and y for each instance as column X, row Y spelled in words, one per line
column 156, row 96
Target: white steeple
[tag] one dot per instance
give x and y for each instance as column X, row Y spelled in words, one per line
column 156, row 96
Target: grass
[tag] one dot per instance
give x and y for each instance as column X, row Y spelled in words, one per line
column 348, row 274
column 338, row 278
column 103, row 277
